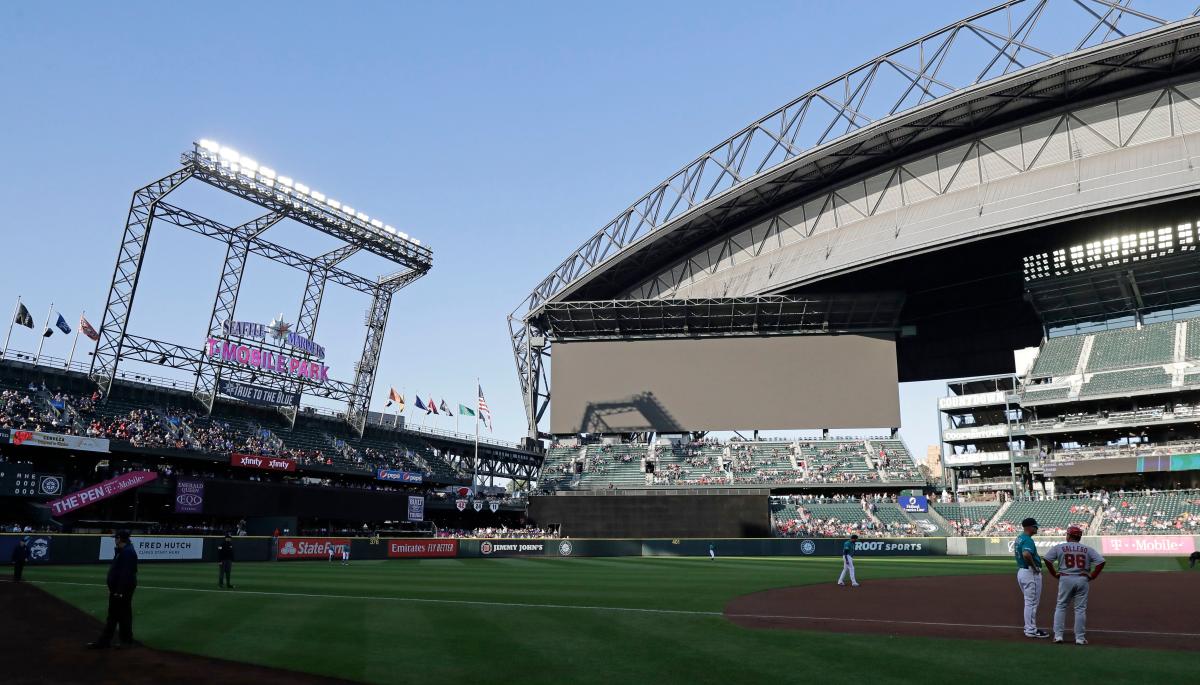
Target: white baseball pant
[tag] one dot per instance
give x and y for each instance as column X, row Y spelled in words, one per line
column 847, row 567
column 1031, row 589
column 1073, row 586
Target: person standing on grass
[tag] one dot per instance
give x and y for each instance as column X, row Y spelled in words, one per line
column 346, row 554
column 122, row 581
column 20, row 555
column 712, row 551
column 1029, row 577
column 225, row 562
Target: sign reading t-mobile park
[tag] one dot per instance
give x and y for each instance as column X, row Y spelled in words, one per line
column 269, row 361
column 99, row 491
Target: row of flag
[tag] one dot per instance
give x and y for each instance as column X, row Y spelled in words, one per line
column 24, row 318
column 432, row 406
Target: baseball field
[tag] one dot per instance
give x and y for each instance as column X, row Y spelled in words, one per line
column 656, row 620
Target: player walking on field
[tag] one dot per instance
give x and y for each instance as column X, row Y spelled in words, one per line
column 848, row 561
column 1029, row 576
column 1078, row 566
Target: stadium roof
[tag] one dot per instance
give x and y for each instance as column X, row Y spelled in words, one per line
column 1006, row 63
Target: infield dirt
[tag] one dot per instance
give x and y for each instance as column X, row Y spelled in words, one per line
column 1153, row 610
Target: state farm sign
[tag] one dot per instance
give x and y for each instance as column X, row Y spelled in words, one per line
column 309, row 548
column 250, row 461
column 412, row 549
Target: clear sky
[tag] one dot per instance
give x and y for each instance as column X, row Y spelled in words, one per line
column 501, row 134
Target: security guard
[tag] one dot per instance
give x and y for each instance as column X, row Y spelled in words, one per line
column 225, row 562
column 122, row 581
column 20, row 555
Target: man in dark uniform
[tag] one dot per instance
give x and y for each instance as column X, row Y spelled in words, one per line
column 1193, row 559
column 20, row 555
column 225, row 562
column 122, row 581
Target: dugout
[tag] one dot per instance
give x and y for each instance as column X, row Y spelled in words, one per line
column 744, row 514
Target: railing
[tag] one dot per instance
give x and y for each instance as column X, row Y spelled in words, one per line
column 57, row 363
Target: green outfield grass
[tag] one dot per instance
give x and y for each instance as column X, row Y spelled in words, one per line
column 554, row 621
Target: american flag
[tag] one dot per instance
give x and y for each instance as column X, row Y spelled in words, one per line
column 484, row 412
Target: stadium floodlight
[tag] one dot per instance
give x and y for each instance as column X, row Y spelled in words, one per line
column 247, row 172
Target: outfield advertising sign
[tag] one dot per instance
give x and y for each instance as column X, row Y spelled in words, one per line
column 914, row 505
column 157, row 548
column 39, row 547
column 56, row 440
column 395, row 476
column 512, row 548
column 422, row 549
column 416, row 507
column 189, row 496
column 1143, row 545
column 99, row 491
column 252, row 461
column 309, row 548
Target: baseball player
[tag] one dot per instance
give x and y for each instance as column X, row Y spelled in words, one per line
column 1193, row 558
column 848, row 561
column 712, row 552
column 346, row 554
column 1029, row 576
column 1078, row 566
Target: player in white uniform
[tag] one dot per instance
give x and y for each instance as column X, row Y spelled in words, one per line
column 1078, row 566
column 848, row 561
column 346, row 555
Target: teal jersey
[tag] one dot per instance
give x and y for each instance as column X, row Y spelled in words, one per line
column 848, row 548
column 1025, row 542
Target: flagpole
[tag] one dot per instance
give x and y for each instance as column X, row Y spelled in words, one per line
column 41, row 342
column 11, row 320
column 75, row 342
column 475, row 468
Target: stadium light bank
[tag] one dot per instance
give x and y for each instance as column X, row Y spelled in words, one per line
column 262, row 179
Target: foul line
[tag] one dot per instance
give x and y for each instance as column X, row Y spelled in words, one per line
column 584, row 607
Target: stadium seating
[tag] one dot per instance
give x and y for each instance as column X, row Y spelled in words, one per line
column 1116, row 382
column 1128, row 347
column 1158, row 513
column 967, row 518
column 1053, row 516
column 1058, row 356
column 1032, row 393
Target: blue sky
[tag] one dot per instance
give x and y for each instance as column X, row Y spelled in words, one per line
column 501, row 134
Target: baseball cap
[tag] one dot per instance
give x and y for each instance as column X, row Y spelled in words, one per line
column 1074, row 531
column 122, row 535
column 1029, row 522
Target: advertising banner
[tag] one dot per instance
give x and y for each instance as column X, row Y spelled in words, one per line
column 422, row 549
column 395, row 476
column 39, row 547
column 309, row 548
column 265, row 397
column 913, row 505
column 1144, row 545
column 251, row 461
column 156, row 548
column 512, row 548
column 189, row 496
column 63, row 442
column 99, row 491
column 416, row 507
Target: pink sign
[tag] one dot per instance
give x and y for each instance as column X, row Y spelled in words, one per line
column 266, row 360
column 99, row 491
column 1135, row 545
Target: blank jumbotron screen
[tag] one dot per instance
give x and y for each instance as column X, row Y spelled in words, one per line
column 777, row 383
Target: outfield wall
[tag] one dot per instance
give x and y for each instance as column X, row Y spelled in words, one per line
column 85, row 549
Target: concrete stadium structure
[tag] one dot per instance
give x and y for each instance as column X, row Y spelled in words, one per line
column 926, row 178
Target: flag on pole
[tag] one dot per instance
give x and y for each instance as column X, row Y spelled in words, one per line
column 48, row 332
column 444, row 408
column 62, row 325
column 484, row 413
column 395, row 398
column 24, row 318
column 431, row 408
column 464, row 410
column 87, row 329
column 419, row 404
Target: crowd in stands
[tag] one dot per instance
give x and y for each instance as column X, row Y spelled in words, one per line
column 527, row 532
column 1151, row 512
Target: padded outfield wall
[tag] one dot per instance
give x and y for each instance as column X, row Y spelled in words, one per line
column 654, row 516
column 153, row 549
